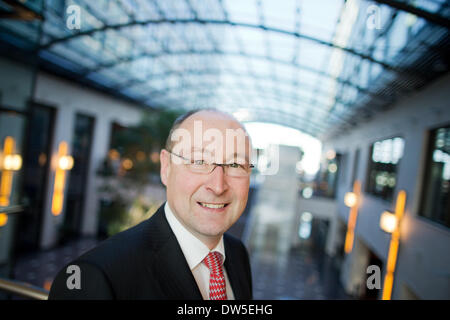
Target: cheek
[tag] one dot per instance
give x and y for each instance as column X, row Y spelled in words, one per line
column 241, row 193
column 183, row 185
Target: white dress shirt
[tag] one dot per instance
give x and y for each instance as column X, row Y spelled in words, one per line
column 195, row 251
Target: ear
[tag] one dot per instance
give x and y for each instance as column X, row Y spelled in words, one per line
column 164, row 158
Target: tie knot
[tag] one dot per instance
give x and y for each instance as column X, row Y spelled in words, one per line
column 214, row 262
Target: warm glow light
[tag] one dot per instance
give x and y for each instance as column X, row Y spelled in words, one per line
column 42, row 159
column 12, row 162
column 65, row 163
column 5, row 188
column 154, row 157
column 387, row 287
column 127, row 164
column 388, row 222
column 113, row 154
column 331, row 154
column 3, row 219
column 393, row 246
column 9, row 163
column 140, row 156
column 58, row 192
column 350, row 199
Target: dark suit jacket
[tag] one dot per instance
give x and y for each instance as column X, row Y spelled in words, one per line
column 146, row 262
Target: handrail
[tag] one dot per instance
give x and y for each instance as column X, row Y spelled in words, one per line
column 23, row 289
column 12, row 209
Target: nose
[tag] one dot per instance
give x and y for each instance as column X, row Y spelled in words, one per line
column 216, row 181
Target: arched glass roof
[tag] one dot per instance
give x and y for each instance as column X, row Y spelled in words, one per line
column 318, row 66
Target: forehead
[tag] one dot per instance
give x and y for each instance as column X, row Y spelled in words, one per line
column 211, row 120
column 214, row 130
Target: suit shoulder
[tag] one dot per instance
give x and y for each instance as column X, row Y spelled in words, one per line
column 120, row 247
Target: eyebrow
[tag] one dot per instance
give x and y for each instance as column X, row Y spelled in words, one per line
column 234, row 155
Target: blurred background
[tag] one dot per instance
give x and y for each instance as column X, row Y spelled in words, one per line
column 347, row 103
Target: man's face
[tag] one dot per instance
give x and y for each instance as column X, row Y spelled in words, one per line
column 207, row 204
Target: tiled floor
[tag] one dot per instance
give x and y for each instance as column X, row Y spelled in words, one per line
column 39, row 268
column 299, row 274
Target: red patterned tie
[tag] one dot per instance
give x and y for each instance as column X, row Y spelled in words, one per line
column 217, row 286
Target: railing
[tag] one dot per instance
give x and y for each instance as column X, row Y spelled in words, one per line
column 12, row 209
column 23, row 289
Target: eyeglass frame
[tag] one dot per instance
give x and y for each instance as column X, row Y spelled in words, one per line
column 215, row 165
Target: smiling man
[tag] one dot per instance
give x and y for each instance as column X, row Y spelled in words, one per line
column 182, row 251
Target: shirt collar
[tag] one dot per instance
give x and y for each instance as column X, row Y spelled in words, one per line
column 193, row 249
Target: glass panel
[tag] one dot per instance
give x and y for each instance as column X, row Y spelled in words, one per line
column 12, row 124
column 81, row 150
column 36, row 166
column 383, row 163
column 325, row 183
column 436, row 200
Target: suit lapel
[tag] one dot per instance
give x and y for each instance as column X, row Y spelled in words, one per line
column 232, row 263
column 167, row 262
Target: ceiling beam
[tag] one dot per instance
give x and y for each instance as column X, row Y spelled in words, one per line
column 404, row 6
column 225, row 53
column 218, row 22
column 19, row 11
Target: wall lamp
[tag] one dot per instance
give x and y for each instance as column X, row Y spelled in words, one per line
column 9, row 162
column 352, row 200
column 64, row 163
column 390, row 222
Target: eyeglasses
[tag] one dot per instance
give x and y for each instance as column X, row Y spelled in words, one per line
column 203, row 167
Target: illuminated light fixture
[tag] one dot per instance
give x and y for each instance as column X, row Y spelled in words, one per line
column 113, row 154
column 140, row 156
column 352, row 200
column 388, row 222
column 307, row 192
column 331, row 154
column 154, row 157
column 332, row 167
column 393, row 246
column 63, row 164
column 3, row 219
column 9, row 162
column 127, row 164
column 12, row 162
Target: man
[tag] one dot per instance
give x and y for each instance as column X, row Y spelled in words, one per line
column 181, row 252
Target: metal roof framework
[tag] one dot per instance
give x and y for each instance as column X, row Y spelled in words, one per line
column 320, row 67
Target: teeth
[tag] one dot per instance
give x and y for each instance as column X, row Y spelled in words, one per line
column 213, row 206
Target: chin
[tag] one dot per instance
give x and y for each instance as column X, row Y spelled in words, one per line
column 213, row 230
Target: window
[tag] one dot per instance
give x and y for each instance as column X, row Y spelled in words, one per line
column 326, row 178
column 435, row 199
column 383, row 163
